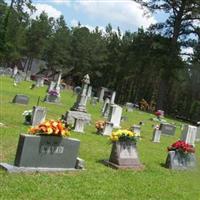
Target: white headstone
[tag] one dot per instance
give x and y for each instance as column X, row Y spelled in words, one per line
column 108, row 128
column 115, row 115
column 189, row 134
column 112, row 100
column 156, row 135
column 136, row 129
column 89, row 92
column 39, row 115
column 107, row 101
column 101, row 95
column 198, row 134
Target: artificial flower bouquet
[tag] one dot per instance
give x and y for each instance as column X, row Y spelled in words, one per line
column 123, row 135
column 27, row 115
column 99, row 125
column 51, row 127
column 53, row 93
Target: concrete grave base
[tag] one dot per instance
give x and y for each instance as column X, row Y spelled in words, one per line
column 115, row 166
column 14, row 169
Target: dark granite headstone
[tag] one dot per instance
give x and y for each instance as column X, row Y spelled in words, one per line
column 21, row 99
column 46, row 151
column 167, row 129
column 180, row 161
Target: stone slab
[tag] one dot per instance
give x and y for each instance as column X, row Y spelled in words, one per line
column 43, row 151
column 167, row 129
column 115, row 166
column 20, row 99
column 14, row 169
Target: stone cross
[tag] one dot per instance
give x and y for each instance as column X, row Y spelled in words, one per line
column 81, row 100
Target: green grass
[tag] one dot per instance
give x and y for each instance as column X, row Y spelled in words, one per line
column 97, row 181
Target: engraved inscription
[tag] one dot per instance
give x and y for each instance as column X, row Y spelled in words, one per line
column 49, row 148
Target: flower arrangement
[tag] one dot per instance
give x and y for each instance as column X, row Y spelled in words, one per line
column 181, row 146
column 53, row 93
column 27, row 114
column 50, row 127
column 123, row 135
column 100, row 125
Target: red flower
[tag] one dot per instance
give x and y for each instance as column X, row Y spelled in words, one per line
column 181, row 146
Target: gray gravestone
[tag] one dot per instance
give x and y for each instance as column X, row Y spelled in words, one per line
column 21, row 99
column 46, row 151
column 180, row 161
column 167, row 129
column 38, row 116
column 124, row 155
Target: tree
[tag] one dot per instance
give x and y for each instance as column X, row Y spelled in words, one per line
column 181, row 23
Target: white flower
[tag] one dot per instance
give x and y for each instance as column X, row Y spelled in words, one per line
column 27, row 112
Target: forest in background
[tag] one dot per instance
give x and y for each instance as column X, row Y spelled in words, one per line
column 146, row 64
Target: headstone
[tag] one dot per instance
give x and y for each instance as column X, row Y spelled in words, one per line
column 21, row 99
column 46, row 151
column 89, row 92
column 78, row 119
column 129, row 107
column 101, row 95
column 136, row 129
column 14, row 71
column 180, row 161
column 115, row 115
column 124, row 155
column 156, row 135
column 77, row 90
column 94, row 100
column 81, row 100
column 51, row 86
column 112, row 100
column 189, row 134
column 40, row 82
column 106, row 110
column 28, row 76
column 78, row 116
column 198, row 134
column 107, row 101
column 38, row 116
column 108, row 128
column 167, row 129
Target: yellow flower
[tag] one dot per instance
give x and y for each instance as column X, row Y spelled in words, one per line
column 49, row 130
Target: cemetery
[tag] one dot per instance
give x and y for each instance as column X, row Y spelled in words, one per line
column 98, row 162
column 100, row 100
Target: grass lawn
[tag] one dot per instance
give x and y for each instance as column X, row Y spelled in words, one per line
column 97, row 181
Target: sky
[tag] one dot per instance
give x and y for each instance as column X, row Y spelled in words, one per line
column 126, row 14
